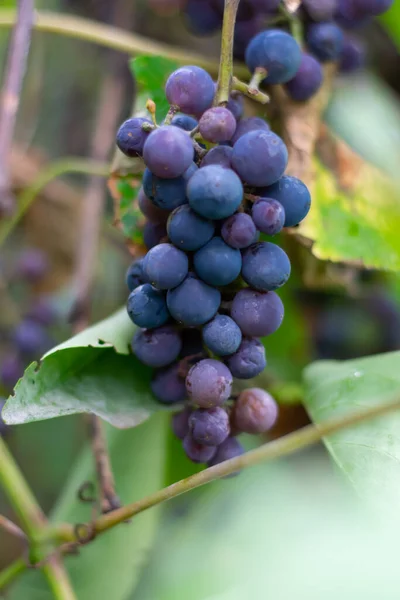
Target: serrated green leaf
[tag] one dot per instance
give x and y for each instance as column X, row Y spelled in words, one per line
column 110, row 566
column 151, row 74
column 360, row 226
column 92, row 372
column 369, row 454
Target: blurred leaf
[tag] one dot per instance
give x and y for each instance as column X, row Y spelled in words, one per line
column 369, row 454
column 151, row 74
column 355, row 216
column 391, row 22
column 110, row 566
column 92, row 372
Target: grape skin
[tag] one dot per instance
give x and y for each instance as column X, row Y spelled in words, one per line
column 325, row 41
column 157, row 347
column 214, row 192
column 198, row 453
column 277, row 52
column 230, row 448
column 184, row 122
column 257, row 313
column 216, row 263
column 180, row 423
column 188, row 230
column 217, row 124
column 166, row 266
column 249, row 360
column 131, row 137
column 191, row 89
column 266, row 266
column 168, row 152
column 209, row 426
column 239, row 231
column 222, row 335
column 268, row 215
column 147, row 307
column 209, row 383
column 193, row 302
column 259, row 158
column 135, row 275
column 168, row 386
column 294, row 196
column 307, row 80
column 249, row 124
column 219, row 155
column 153, row 233
column 147, row 207
column 255, row 411
column 167, row 194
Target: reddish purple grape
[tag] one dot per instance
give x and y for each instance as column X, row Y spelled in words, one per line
column 217, row 125
column 180, row 423
column 168, row 152
column 255, row 411
column 131, row 136
column 191, row 89
column 209, row 426
column 198, row 453
column 268, row 216
column 157, row 347
column 219, row 155
column 239, row 231
column 249, row 124
column 230, row 448
column 249, row 360
column 168, row 386
column 257, row 313
column 209, row 383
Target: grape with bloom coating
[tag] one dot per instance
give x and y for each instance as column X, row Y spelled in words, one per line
column 259, row 158
column 165, row 266
column 168, row 386
column 307, row 80
column 222, row 335
column 266, row 266
column 257, row 313
column 217, row 263
column 188, row 230
column 135, row 275
column 255, row 411
column 157, row 347
column 239, row 231
column 325, row 41
column 219, row 155
column 209, row 383
column 198, row 453
column 249, row 124
column 249, row 360
column 217, row 124
column 294, row 196
column 153, row 233
column 214, row 192
column 191, row 89
column 185, row 122
column 209, row 426
column 168, row 152
column 193, row 302
column 277, row 52
column 167, row 194
column 131, row 136
column 148, row 208
column 180, row 422
column 147, row 307
column 268, row 215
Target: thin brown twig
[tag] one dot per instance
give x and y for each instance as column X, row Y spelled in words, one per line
column 10, row 97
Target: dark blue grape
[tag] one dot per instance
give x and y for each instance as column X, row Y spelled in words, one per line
column 307, row 80
column 259, row 158
column 249, row 124
column 168, row 386
column 147, row 307
column 149, row 209
column 198, row 453
column 236, row 105
column 257, row 313
column 184, row 122
column 11, row 369
column 219, row 155
column 325, row 40
column 168, row 152
column 193, row 302
column 352, row 57
column 131, row 136
column 180, row 423
column 31, row 338
column 230, row 448
column 32, row 265
column 209, row 426
column 222, row 336
column 153, row 233
column 214, row 192
column 165, row 266
column 209, row 383
column 244, row 33
column 201, row 17
column 157, row 347
column 191, row 89
column 42, row 311
column 320, row 10
column 277, row 52
column 255, row 411
column 188, row 230
column 167, row 194
column 249, row 360
column 266, row 266
column 135, row 275
column 268, row 216
column 217, row 263
column 239, row 231
column 294, row 196
column 217, row 124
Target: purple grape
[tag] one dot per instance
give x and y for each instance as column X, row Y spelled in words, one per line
column 197, row 453
column 11, row 369
column 255, row 411
column 32, row 265
column 249, row 124
column 217, row 124
column 168, row 386
column 131, row 136
column 193, row 302
column 320, row 10
column 219, row 155
column 268, row 216
column 348, row 16
column 201, row 17
column 209, row 383
column 168, row 152
column 244, row 11
column 357, row 10
column 264, row 6
column 31, row 338
column 147, row 307
column 239, row 231
column 209, row 426
column 257, row 313
column 236, row 105
column 230, row 448
column 245, row 31
column 277, row 52
column 184, row 122
column 294, row 196
column 191, row 89
column 157, row 347
column 249, row 360
column 259, row 158
column 42, row 311
column 152, row 212
column 222, row 336
column 216, row 263
column 135, row 275
column 167, row 194
column 266, row 266
column 180, row 423
column 153, row 233
column 325, row 41
column 307, row 80
column 165, row 266
column 353, row 56
column 214, row 192
column 188, row 230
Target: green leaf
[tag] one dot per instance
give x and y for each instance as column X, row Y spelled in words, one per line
column 110, row 566
column 129, row 213
column 391, row 22
column 359, row 225
column 92, row 372
column 369, row 454
column 151, row 74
